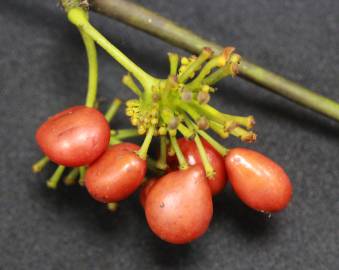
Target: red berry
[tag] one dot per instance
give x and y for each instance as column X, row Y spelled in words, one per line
column 179, row 207
column 74, row 137
column 257, row 180
column 145, row 190
column 191, row 153
column 116, row 174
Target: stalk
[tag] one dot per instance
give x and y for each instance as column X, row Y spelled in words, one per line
column 113, row 109
column 82, row 172
column 78, row 17
column 183, row 165
column 129, row 82
column 122, row 134
column 54, row 180
column 71, row 177
column 162, row 162
column 202, row 152
column 209, row 170
column 92, row 69
column 40, row 164
column 174, row 63
column 142, row 153
column 216, row 145
column 150, row 22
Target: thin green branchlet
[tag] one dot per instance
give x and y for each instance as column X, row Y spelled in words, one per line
column 183, row 165
column 161, row 162
column 92, row 69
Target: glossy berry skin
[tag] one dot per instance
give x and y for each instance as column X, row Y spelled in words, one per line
column 74, row 137
column 116, row 174
column 145, row 190
column 191, row 153
column 179, row 206
column 257, row 180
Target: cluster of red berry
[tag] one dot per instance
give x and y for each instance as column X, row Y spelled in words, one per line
column 178, row 206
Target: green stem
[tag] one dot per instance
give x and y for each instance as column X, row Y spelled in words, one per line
column 217, row 75
column 212, row 114
column 186, row 132
column 216, row 145
column 161, row 162
column 82, row 172
column 92, row 68
column 54, row 180
column 113, row 109
column 183, row 165
column 214, row 62
column 77, row 16
column 156, row 25
column 169, row 84
column 40, row 164
column 219, row 129
column 122, row 134
column 223, row 118
column 195, row 65
column 71, row 177
column 209, row 170
column 142, row 153
column 215, row 126
column 129, row 82
column 209, row 111
column 114, row 141
column 191, row 111
column 174, row 63
column 290, row 90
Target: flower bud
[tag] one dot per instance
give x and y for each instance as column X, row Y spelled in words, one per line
column 134, row 121
column 203, row 97
column 249, row 138
column 205, row 88
column 141, row 130
column 155, row 97
column 203, row 123
column 173, row 123
column 186, row 95
column 184, row 61
column 162, row 131
column 129, row 112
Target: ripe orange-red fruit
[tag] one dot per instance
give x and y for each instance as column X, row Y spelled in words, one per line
column 257, row 180
column 74, row 137
column 179, row 206
column 116, row 174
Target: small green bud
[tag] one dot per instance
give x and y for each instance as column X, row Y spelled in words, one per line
column 186, row 95
column 203, row 123
column 173, row 123
column 203, row 97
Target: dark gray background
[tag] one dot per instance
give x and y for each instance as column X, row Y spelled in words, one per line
column 43, row 70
